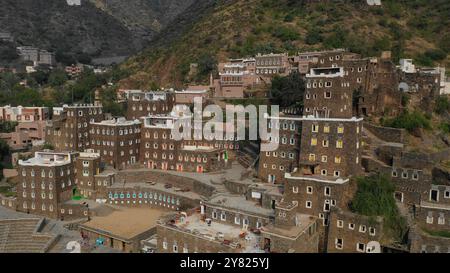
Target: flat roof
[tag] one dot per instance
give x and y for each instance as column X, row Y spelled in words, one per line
column 145, row 186
column 125, row 222
column 238, row 203
column 197, row 227
column 304, row 221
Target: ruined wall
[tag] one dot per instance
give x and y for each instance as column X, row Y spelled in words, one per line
column 386, row 133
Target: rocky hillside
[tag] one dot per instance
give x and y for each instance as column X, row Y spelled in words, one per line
column 234, row 28
column 98, row 28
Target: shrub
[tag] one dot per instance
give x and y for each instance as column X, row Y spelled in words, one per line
column 442, row 105
column 375, row 197
column 409, row 121
column 285, row 34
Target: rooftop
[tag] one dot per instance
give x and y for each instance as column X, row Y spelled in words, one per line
column 239, row 203
column 125, row 222
column 155, row 186
column 48, row 159
column 304, row 221
column 117, row 122
column 219, row 233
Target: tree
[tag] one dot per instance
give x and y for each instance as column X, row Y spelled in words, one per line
column 287, row 91
column 57, row 78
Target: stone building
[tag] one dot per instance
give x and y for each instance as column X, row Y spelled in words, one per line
column 190, row 232
column 24, row 114
column 141, row 104
column 274, row 164
column 69, row 129
column 47, row 185
column 25, row 134
column 269, row 65
column 117, row 141
column 87, row 166
column 235, row 77
column 353, row 233
column 291, row 232
column 159, row 149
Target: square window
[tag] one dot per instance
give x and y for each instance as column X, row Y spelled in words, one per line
column 360, row 247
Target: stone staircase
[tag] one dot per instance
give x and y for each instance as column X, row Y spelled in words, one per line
column 248, row 154
column 21, row 235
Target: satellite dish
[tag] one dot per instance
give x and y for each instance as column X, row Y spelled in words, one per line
column 74, row 247
column 373, row 247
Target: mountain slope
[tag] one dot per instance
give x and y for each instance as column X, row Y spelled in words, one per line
column 99, row 28
column 54, row 25
column 237, row 28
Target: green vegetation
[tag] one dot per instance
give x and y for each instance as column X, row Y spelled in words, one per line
column 409, row 121
column 440, row 233
column 272, row 26
column 52, row 88
column 442, row 105
column 7, row 126
column 48, row 146
column 7, row 191
column 445, row 127
column 375, row 197
column 287, row 91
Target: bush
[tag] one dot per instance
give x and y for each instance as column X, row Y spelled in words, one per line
column 442, row 105
column 313, row 37
column 375, row 197
column 286, row 34
column 445, row 127
column 409, row 121
column 287, row 91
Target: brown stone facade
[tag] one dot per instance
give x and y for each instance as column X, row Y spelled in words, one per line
column 69, row 129
column 352, row 233
column 173, row 240
column 117, row 141
column 46, row 181
column 141, row 104
column 274, row 164
column 159, row 149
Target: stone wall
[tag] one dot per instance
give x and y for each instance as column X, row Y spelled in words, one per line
column 386, row 133
column 424, row 243
column 148, row 175
column 350, row 233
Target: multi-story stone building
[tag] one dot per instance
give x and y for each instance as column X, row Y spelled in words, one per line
column 69, row 129
column 47, row 183
column 235, row 77
column 274, row 164
column 24, row 114
column 141, row 104
column 269, row 65
column 159, row 149
column 117, row 141
column 87, row 166
column 352, row 233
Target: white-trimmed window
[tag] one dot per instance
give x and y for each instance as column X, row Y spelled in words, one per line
column 362, row 228
column 308, row 204
column 340, row 223
column 360, row 247
column 223, row 216
column 309, row 190
column 339, row 243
